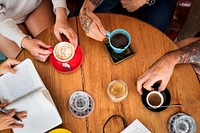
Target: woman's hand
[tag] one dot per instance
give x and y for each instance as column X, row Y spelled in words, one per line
column 37, row 48
column 6, row 120
column 6, row 66
column 62, row 26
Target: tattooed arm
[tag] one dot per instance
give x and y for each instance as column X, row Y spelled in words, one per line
column 90, row 23
column 163, row 68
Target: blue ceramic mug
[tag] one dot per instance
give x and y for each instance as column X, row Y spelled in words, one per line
column 118, row 49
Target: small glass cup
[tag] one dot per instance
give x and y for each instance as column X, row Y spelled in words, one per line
column 117, row 90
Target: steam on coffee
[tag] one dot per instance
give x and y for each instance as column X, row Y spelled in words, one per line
column 119, row 40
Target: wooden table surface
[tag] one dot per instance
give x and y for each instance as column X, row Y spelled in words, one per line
column 97, row 71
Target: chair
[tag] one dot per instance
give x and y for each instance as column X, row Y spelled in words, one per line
column 179, row 16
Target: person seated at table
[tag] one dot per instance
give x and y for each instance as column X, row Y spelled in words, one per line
column 162, row 69
column 6, row 120
column 36, row 16
column 158, row 14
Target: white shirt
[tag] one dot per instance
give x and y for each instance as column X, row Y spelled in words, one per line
column 13, row 12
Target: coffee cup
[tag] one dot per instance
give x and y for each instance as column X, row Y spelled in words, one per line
column 119, row 40
column 154, row 99
column 117, row 90
column 64, row 51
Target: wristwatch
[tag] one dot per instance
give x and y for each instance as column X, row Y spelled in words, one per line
column 150, row 2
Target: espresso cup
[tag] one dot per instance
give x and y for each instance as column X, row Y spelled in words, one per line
column 64, row 51
column 117, row 90
column 154, row 99
column 119, row 40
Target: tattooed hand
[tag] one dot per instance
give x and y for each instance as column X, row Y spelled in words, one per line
column 163, row 68
column 91, row 24
column 132, row 5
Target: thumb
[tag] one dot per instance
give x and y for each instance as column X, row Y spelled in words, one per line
column 101, row 28
column 58, row 36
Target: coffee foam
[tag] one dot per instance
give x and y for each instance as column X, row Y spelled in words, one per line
column 64, row 51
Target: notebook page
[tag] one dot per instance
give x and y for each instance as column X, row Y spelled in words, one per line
column 42, row 115
column 26, row 80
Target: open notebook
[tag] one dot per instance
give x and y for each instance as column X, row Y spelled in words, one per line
column 26, row 92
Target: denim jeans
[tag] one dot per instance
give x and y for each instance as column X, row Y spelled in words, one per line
column 158, row 15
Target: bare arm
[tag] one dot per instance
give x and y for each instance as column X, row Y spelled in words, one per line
column 190, row 53
column 90, row 23
column 163, row 68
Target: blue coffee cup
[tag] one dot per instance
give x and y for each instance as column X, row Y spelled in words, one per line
column 110, row 35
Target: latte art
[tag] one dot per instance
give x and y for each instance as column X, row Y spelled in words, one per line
column 64, row 52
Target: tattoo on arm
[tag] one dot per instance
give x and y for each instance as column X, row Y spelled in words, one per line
column 86, row 21
column 96, row 3
column 190, row 53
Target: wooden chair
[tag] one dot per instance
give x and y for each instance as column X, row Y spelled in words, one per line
column 179, row 16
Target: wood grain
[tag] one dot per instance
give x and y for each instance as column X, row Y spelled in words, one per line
column 97, row 71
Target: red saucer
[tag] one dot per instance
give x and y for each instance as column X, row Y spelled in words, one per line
column 75, row 62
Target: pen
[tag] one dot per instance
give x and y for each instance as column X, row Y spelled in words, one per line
column 6, row 112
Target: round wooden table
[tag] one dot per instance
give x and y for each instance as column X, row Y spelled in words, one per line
column 97, row 71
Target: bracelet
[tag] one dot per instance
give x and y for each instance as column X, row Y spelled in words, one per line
column 150, row 2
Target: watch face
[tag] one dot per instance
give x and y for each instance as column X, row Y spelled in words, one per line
column 151, row 2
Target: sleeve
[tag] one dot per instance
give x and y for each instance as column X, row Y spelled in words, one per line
column 9, row 29
column 60, row 3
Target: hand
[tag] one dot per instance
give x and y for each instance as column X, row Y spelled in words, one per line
column 132, row 5
column 7, row 66
column 91, row 24
column 161, row 70
column 6, row 120
column 37, row 48
column 63, row 27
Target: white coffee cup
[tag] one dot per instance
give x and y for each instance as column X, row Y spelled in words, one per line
column 64, row 51
column 155, row 99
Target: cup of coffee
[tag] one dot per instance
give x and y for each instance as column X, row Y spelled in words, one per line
column 64, row 51
column 154, row 99
column 119, row 40
column 117, row 90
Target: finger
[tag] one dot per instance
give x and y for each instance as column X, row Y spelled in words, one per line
column 11, row 70
column 101, row 28
column 13, row 61
column 42, row 57
column 11, row 113
column 163, row 85
column 148, row 84
column 22, row 114
column 16, row 125
column 3, row 104
column 68, row 35
column 58, row 36
column 44, row 45
column 43, row 51
column 139, row 87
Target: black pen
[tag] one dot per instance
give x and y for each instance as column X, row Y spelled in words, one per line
column 6, row 112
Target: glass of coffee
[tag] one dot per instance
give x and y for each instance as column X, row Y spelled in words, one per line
column 117, row 90
column 63, row 51
column 119, row 40
column 155, row 99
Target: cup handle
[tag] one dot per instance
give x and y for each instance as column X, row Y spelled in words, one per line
column 108, row 34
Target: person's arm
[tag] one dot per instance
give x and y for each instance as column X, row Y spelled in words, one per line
column 62, row 25
column 163, row 68
column 9, row 29
column 90, row 23
column 133, row 5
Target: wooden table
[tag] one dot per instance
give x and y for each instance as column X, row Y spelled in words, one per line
column 97, row 71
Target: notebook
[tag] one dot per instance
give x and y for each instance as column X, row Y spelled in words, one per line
column 25, row 91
